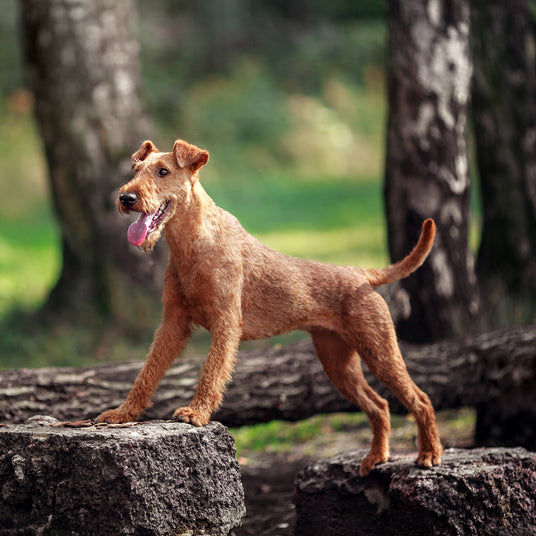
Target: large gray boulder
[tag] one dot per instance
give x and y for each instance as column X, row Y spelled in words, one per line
column 480, row 492
column 153, row 478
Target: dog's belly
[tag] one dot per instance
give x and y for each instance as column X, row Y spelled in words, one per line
column 261, row 328
column 257, row 330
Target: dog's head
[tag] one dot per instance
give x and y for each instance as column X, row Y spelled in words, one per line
column 162, row 182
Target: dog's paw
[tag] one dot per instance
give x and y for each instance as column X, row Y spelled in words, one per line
column 191, row 416
column 116, row 416
column 370, row 460
column 428, row 459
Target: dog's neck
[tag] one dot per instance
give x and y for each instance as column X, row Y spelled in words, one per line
column 195, row 221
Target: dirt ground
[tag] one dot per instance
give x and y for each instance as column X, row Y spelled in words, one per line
column 268, row 477
column 268, row 488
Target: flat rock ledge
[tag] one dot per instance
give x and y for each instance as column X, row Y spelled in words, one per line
column 153, row 478
column 474, row 492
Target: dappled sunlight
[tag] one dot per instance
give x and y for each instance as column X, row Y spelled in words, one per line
column 23, row 169
column 333, row 138
column 29, row 258
column 359, row 245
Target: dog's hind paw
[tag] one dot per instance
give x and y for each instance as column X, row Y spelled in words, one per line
column 428, row 459
column 191, row 416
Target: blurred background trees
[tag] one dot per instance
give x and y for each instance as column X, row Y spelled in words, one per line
column 305, row 108
column 82, row 67
column 426, row 165
column 504, row 116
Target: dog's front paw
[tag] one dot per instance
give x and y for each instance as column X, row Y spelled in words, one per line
column 428, row 459
column 370, row 460
column 191, row 416
column 116, row 416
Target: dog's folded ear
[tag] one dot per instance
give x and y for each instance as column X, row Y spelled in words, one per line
column 189, row 156
column 146, row 148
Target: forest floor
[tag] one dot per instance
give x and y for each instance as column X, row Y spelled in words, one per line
column 268, row 474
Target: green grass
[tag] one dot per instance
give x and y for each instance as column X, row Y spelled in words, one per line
column 306, row 207
column 331, row 221
column 281, row 436
column 29, row 258
column 29, row 242
column 324, row 435
column 320, row 215
column 301, row 173
column 336, row 221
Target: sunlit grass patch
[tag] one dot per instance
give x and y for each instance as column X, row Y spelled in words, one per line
column 281, row 436
column 330, row 213
column 359, row 245
column 331, row 220
column 326, row 435
column 29, row 258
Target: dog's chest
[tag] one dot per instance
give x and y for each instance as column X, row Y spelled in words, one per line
column 197, row 297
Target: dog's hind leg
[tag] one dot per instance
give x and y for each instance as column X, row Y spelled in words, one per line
column 342, row 365
column 382, row 355
column 396, row 378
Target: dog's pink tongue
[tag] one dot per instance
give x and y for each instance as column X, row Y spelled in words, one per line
column 138, row 230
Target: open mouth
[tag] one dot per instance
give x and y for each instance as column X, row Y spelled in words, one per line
column 146, row 224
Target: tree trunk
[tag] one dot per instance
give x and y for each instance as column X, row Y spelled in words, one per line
column 504, row 114
column 477, row 492
column 288, row 383
column 82, row 67
column 155, row 479
column 429, row 74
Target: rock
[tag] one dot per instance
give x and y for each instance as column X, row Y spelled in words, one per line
column 474, row 492
column 153, row 478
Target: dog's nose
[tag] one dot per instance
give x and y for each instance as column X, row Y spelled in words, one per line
column 128, row 199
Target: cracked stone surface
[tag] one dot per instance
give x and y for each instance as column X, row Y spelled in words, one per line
column 474, row 492
column 153, row 478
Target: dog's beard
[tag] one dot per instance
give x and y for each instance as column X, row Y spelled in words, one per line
column 147, row 229
column 149, row 243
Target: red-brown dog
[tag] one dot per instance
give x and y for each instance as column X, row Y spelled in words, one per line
column 222, row 278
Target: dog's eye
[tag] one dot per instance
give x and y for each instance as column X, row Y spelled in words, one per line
column 163, row 172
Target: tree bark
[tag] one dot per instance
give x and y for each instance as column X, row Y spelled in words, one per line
column 429, row 73
column 474, row 492
column 491, row 369
column 504, row 114
column 156, row 479
column 82, row 66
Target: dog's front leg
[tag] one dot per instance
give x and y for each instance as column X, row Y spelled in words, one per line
column 169, row 341
column 215, row 374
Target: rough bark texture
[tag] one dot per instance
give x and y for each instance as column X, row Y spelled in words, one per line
column 152, row 479
column 82, row 66
column 429, row 73
column 492, row 369
column 480, row 492
column 504, row 114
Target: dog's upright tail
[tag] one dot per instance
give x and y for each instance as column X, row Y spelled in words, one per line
column 408, row 264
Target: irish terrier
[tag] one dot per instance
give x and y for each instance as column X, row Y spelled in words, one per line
column 222, row 278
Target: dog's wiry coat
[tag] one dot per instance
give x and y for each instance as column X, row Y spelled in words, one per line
column 222, row 278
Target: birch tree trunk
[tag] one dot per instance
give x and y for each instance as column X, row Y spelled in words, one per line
column 82, row 66
column 426, row 175
column 504, row 112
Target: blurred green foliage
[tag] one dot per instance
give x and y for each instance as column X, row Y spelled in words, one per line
column 287, row 97
column 301, row 43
